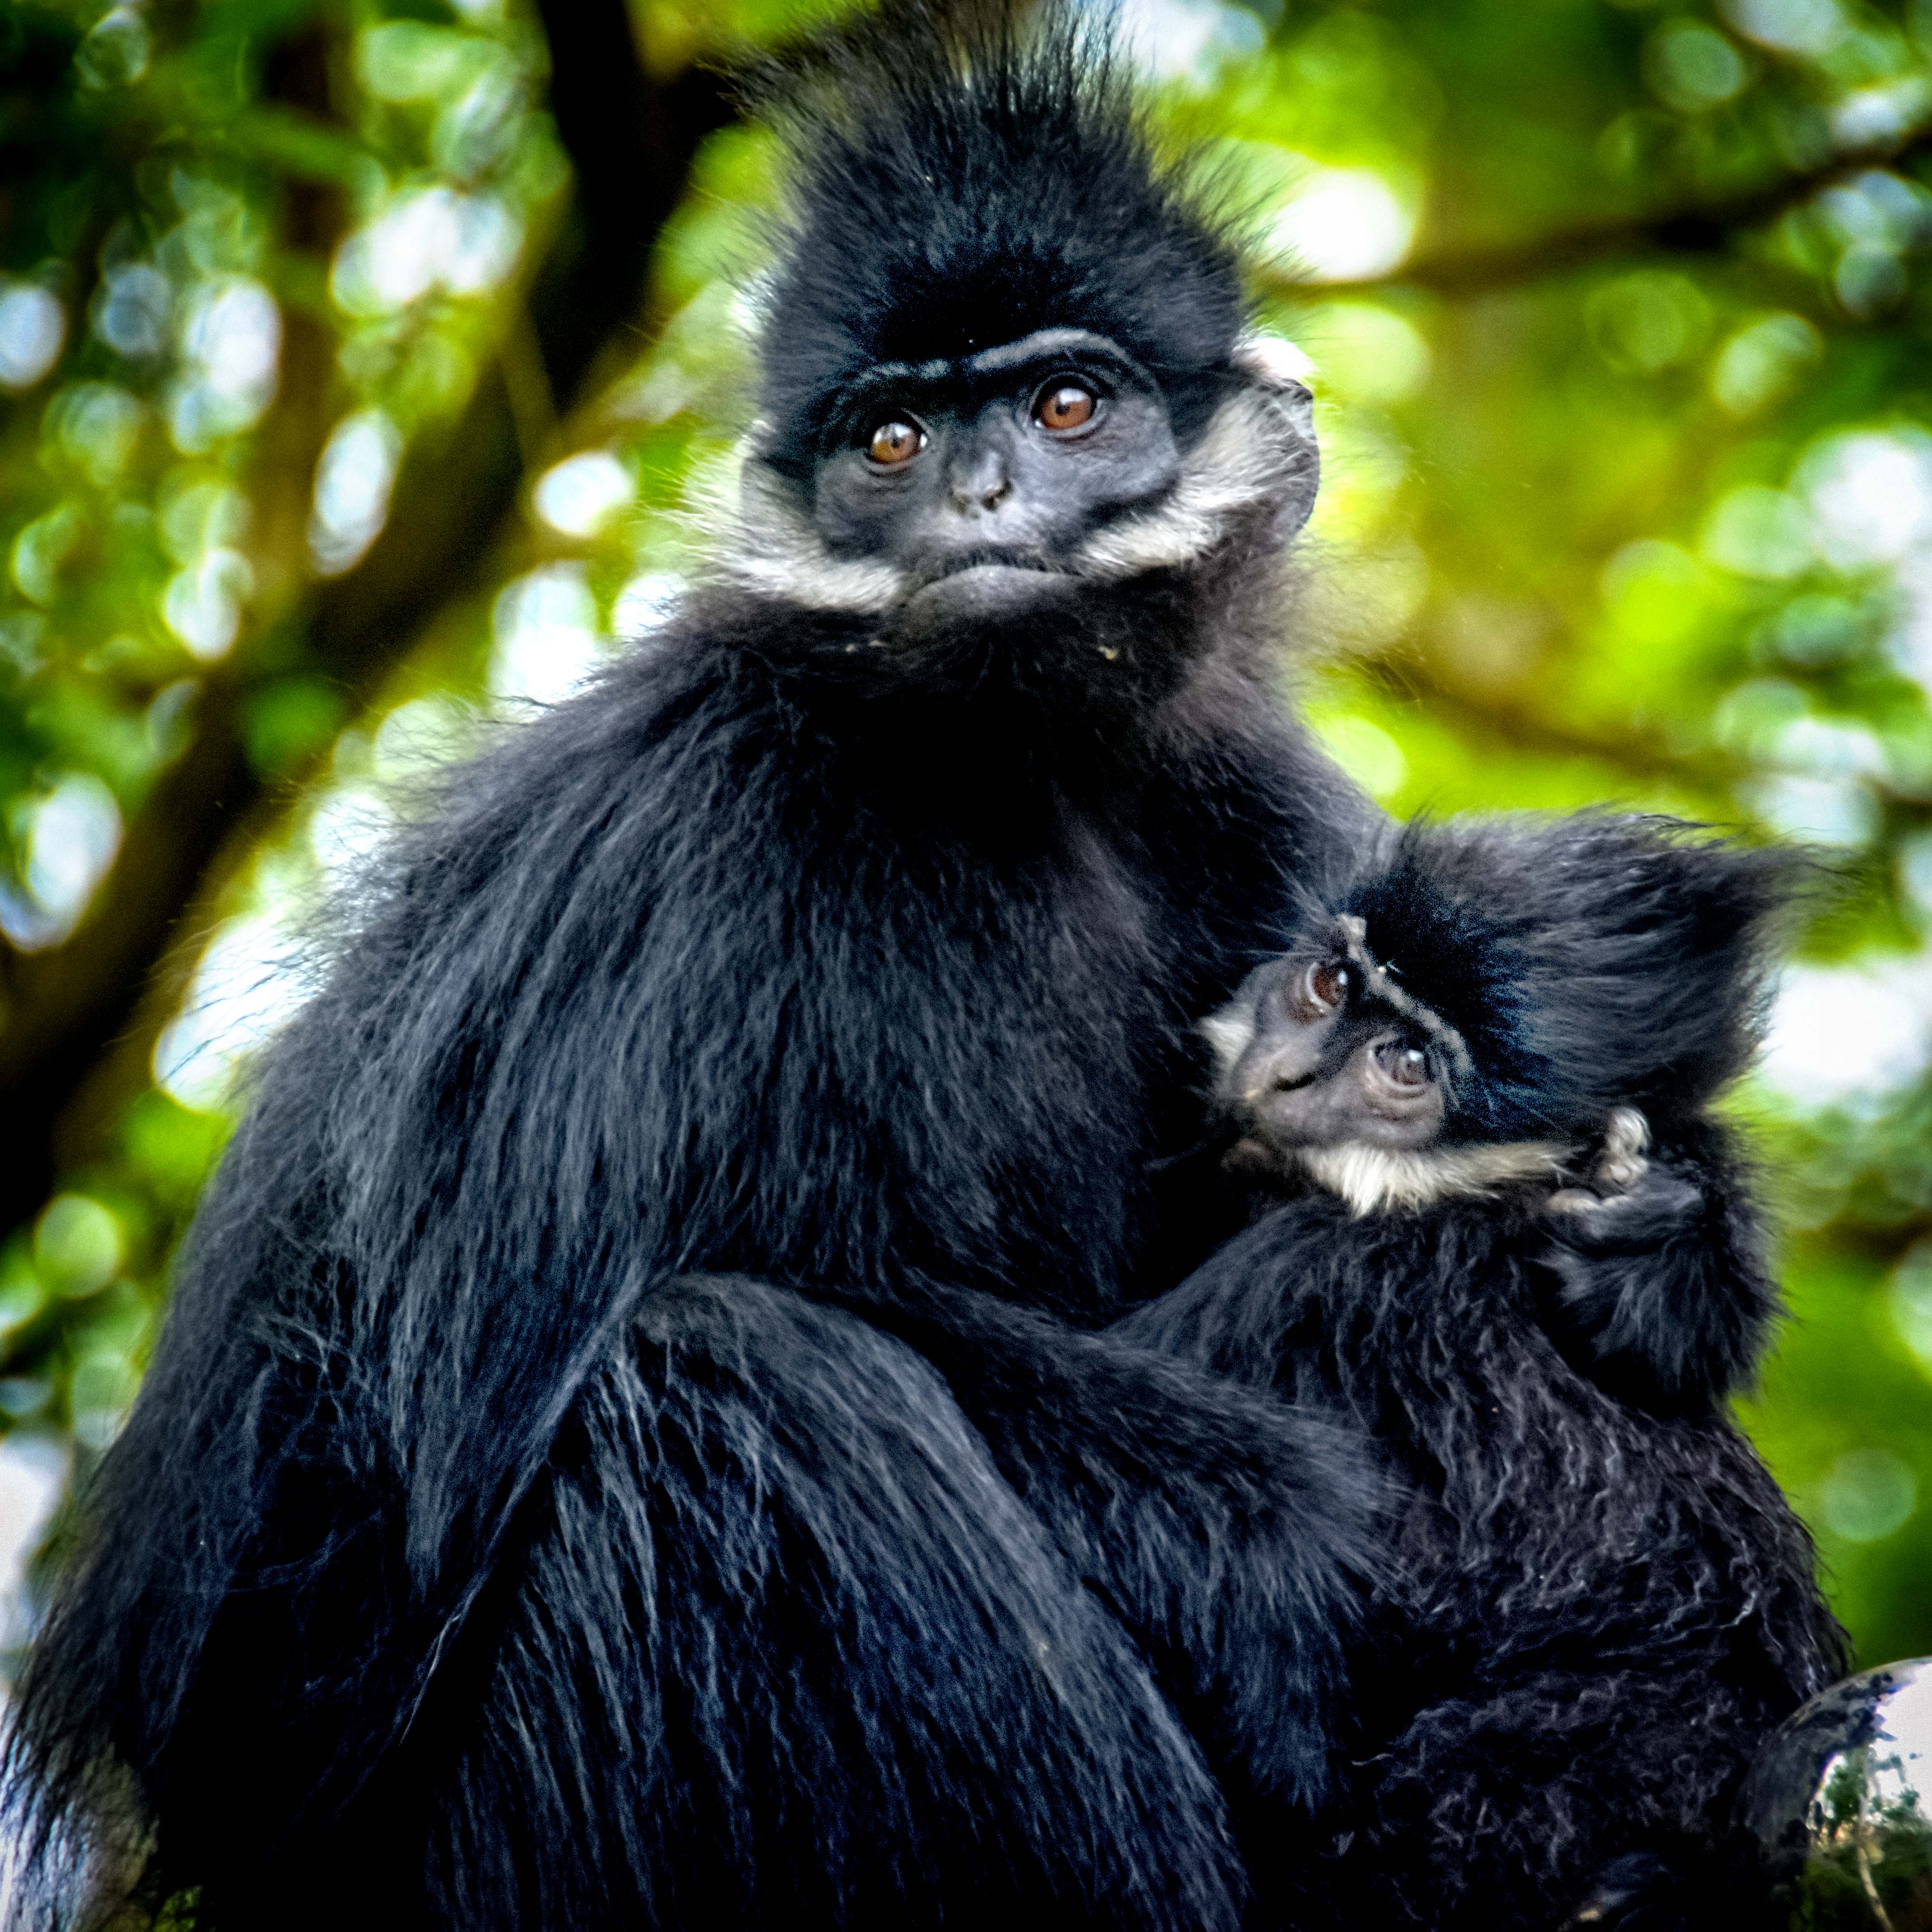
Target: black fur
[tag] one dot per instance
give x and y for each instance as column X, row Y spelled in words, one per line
column 622, row 1451
column 1591, row 962
column 1600, row 1609
column 1014, row 227
column 630, row 1445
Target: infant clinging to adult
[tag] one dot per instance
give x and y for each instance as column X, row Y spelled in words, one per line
column 1599, row 1601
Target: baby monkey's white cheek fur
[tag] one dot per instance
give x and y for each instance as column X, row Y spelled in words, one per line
column 1229, row 1034
column 1372, row 1180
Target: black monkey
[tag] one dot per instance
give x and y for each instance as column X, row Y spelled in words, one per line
column 1601, row 1601
column 472, row 1559
column 627, row 1446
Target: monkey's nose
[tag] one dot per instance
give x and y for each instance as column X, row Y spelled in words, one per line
column 980, row 478
column 983, row 493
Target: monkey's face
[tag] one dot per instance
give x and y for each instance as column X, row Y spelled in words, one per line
column 1314, row 1054
column 980, row 481
column 1043, row 514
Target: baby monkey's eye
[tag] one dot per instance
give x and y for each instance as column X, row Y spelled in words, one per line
column 895, row 443
column 1064, row 406
column 1407, row 1066
column 1324, row 986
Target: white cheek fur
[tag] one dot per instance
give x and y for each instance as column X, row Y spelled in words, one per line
column 1229, row 1032
column 1251, row 453
column 768, row 545
column 1373, row 1179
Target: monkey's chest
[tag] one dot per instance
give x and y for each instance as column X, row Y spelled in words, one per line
column 960, row 1068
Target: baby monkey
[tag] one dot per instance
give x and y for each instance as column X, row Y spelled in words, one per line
column 1599, row 1600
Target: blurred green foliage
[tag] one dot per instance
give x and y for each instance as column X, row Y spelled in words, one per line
column 329, row 429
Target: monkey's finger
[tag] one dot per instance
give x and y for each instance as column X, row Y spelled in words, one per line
column 1621, row 1164
column 1664, row 1208
column 1573, row 1201
column 1618, row 1173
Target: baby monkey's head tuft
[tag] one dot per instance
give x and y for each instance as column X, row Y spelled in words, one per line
column 1488, row 993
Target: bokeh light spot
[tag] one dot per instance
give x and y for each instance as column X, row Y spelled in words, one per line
column 33, row 324
column 1840, row 1034
column 547, row 641
column 1763, row 361
column 353, row 478
column 1691, row 66
column 1342, row 224
column 1866, row 1494
column 202, row 604
column 579, row 495
column 1792, row 26
column 71, row 837
column 1759, row 533
column 115, row 50
column 78, row 1246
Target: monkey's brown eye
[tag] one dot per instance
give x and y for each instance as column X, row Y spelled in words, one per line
column 895, row 443
column 1407, row 1066
column 1066, row 405
column 1325, row 985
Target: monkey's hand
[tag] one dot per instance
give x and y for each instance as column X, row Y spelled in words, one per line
column 1657, row 1285
column 1620, row 1164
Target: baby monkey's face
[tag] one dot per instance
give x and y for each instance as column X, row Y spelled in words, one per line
column 1319, row 1048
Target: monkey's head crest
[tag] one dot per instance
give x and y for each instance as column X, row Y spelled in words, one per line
column 963, row 175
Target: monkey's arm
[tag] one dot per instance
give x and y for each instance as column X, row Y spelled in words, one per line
column 1230, row 1532
column 1660, row 1291
column 784, row 1647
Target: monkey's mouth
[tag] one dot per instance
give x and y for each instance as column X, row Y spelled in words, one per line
column 983, row 585
column 971, row 562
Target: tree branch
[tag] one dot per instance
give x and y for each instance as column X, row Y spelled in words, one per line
column 1509, row 723
column 1701, row 228
column 1512, row 726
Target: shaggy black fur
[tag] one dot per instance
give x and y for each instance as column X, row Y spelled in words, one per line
column 530, row 1518
column 1013, row 226
column 630, row 1446
column 1600, row 1608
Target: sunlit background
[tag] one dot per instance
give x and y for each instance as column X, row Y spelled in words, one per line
column 363, row 360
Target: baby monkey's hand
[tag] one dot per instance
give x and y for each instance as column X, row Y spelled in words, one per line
column 1658, row 1291
column 1620, row 1164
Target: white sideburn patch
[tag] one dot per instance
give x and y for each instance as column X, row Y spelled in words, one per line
column 1372, row 1179
column 1229, row 1032
column 1273, row 362
column 770, row 546
column 1249, row 452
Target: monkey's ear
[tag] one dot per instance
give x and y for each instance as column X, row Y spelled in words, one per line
column 1276, row 369
column 1273, row 363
